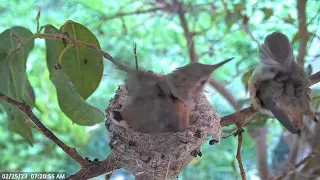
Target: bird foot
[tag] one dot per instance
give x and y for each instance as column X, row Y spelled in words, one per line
column 299, row 132
column 315, row 120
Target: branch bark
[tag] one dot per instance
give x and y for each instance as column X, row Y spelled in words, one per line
column 96, row 168
column 238, row 156
column 260, row 137
column 187, row 33
column 304, row 34
column 194, row 57
column 72, row 152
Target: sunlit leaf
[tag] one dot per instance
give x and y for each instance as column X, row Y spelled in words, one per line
column 70, row 102
column 257, row 120
column 239, row 6
column 289, row 20
column 246, row 76
column 83, row 66
column 231, row 18
column 296, row 37
column 15, row 46
column 309, row 69
column 267, row 13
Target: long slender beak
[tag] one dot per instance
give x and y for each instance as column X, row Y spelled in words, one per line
column 216, row 66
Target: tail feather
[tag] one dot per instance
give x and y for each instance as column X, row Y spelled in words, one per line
column 285, row 120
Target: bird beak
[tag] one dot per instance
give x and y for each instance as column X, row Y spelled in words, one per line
column 216, row 66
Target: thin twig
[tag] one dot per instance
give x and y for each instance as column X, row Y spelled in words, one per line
column 72, row 152
column 121, row 14
column 135, row 55
column 238, row 156
column 88, row 170
column 76, row 42
column 248, row 31
column 296, row 166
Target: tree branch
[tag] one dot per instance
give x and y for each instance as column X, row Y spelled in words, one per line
column 72, row 152
column 296, row 166
column 121, row 14
column 187, row 33
column 76, row 42
column 88, row 169
column 96, row 168
column 194, row 57
column 304, row 34
column 238, row 156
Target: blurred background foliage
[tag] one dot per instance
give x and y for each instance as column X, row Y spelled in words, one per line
column 221, row 29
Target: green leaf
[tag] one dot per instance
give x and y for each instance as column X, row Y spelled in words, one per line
column 289, row 20
column 70, row 102
column 239, row 6
column 296, row 37
column 16, row 43
column 231, row 18
column 246, row 76
column 28, row 94
column 258, row 120
column 267, row 13
column 83, row 66
column 309, row 69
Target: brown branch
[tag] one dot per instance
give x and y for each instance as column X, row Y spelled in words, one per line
column 76, row 42
column 241, row 116
column 187, row 33
column 260, row 137
column 304, row 35
column 72, row 152
column 238, row 117
column 88, row 169
column 315, row 78
column 95, row 169
column 194, row 57
column 121, row 14
column 296, row 166
column 248, row 31
column 238, row 156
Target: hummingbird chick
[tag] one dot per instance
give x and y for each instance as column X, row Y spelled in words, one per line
column 279, row 86
column 160, row 104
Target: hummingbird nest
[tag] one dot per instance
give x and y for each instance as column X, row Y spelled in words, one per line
column 165, row 155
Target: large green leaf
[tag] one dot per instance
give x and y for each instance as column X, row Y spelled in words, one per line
column 231, row 18
column 83, row 66
column 16, row 43
column 246, row 76
column 70, row 102
column 267, row 13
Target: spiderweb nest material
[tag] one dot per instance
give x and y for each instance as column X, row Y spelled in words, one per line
column 160, row 156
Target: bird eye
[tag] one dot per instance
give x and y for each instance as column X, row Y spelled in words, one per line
column 202, row 82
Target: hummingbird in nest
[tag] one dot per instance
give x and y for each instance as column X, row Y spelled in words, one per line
column 162, row 103
column 280, row 86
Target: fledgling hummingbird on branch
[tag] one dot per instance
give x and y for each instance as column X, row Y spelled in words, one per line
column 279, row 85
column 162, row 103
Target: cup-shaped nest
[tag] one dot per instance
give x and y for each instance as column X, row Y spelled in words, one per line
column 160, row 156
